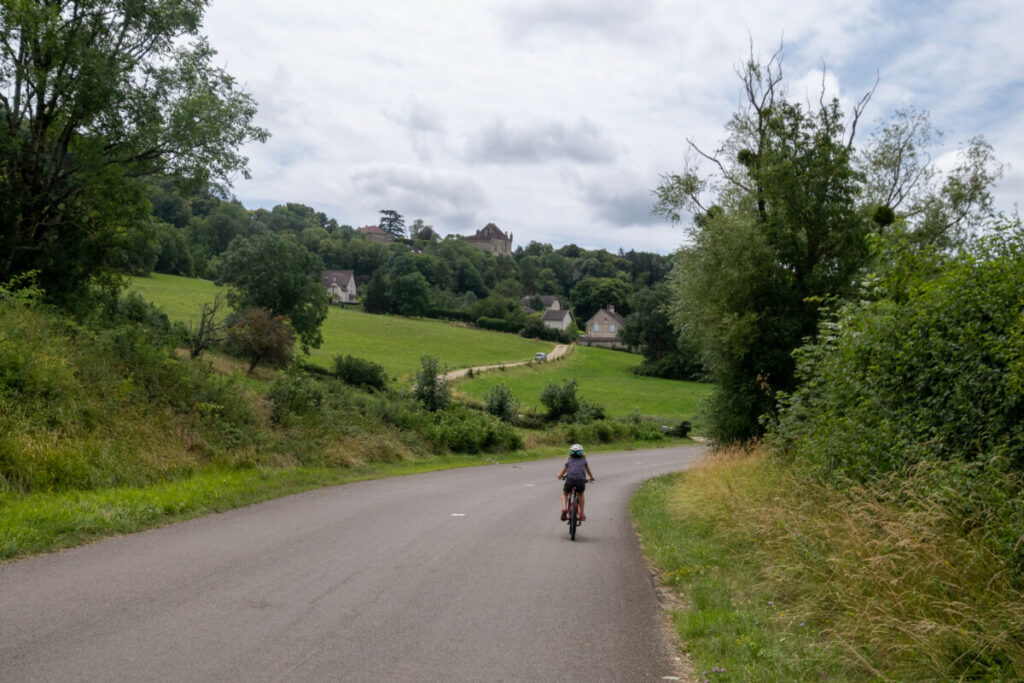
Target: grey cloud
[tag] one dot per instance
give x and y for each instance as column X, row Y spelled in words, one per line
column 425, row 127
column 581, row 142
column 623, row 208
column 419, row 117
column 609, row 18
column 452, row 201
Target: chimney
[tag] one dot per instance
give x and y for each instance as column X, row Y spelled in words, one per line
column 611, row 309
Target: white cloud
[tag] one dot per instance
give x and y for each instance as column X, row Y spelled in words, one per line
column 554, row 117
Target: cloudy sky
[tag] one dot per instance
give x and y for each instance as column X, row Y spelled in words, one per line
column 554, row 119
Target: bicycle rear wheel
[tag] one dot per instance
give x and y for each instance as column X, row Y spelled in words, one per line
column 574, row 511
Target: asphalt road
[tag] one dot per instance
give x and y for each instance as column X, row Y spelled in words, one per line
column 464, row 575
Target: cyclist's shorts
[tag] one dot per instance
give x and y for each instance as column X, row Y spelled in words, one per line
column 578, row 484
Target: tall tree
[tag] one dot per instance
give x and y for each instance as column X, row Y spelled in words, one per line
column 95, row 95
column 275, row 273
column 788, row 230
column 649, row 328
column 392, row 222
column 784, row 234
column 591, row 294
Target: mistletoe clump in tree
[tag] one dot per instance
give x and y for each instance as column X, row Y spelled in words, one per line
column 785, row 222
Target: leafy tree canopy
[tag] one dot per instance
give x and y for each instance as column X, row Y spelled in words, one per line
column 95, row 95
column 794, row 210
column 275, row 273
column 392, row 222
column 594, row 293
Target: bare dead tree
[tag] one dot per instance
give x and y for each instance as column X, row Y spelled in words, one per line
column 210, row 331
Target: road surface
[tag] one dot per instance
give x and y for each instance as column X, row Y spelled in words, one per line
column 463, row 575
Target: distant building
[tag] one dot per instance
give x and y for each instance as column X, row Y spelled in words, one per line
column 557, row 319
column 491, row 238
column 373, row 233
column 340, row 285
column 603, row 329
column 549, row 303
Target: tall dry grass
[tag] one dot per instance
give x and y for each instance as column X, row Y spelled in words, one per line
column 900, row 587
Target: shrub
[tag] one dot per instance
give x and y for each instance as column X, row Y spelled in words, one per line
column 498, row 324
column 681, row 430
column 448, row 314
column 293, row 393
column 502, row 404
column 534, row 328
column 588, row 412
column 360, row 373
column 929, row 370
column 431, row 390
column 462, row 430
column 561, row 400
column 260, row 337
column 564, row 405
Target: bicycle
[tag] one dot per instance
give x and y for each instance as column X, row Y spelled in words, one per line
column 574, row 512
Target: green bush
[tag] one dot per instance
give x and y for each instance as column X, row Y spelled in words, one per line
column 463, row 430
column 502, row 404
column 561, row 400
column 430, row 389
column 681, row 430
column 260, row 337
column 498, row 324
column 928, row 372
column 360, row 373
column 293, row 393
column 931, row 370
column 563, row 405
column 534, row 328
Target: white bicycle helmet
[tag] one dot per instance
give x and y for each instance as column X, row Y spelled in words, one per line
column 575, row 449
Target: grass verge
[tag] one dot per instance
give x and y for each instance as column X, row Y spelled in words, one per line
column 786, row 580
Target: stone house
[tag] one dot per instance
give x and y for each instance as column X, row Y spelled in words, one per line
column 491, row 238
column 603, row 329
column 373, row 233
column 340, row 285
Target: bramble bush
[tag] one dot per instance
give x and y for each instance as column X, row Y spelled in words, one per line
column 936, row 373
column 460, row 429
column 927, row 369
column 361, row 373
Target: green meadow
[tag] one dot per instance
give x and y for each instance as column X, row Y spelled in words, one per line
column 396, row 343
column 604, row 377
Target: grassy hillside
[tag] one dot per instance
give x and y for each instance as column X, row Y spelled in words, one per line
column 394, row 342
column 604, row 377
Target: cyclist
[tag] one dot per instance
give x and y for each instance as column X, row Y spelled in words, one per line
column 576, row 473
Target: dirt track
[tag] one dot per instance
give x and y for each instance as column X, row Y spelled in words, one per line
column 556, row 353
